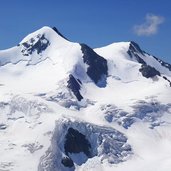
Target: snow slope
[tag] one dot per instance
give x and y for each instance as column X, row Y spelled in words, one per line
column 65, row 106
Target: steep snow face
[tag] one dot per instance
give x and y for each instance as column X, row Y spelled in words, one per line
column 128, row 63
column 65, row 106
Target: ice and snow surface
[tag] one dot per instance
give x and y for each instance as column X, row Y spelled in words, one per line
column 34, row 97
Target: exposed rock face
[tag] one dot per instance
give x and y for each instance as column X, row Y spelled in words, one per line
column 74, row 86
column 97, row 66
column 39, row 44
column 76, row 143
column 57, row 31
column 134, row 50
column 148, row 71
column 134, row 47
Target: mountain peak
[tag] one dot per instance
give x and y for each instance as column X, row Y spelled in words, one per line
column 48, row 32
column 41, row 39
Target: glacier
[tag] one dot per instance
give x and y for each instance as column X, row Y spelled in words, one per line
column 67, row 107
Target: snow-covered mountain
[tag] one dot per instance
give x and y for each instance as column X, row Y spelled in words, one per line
column 65, row 106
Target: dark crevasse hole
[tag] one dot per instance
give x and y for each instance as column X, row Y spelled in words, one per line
column 97, row 66
column 76, row 142
column 74, row 86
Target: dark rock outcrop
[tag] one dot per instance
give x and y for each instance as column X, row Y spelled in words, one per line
column 134, row 47
column 67, row 162
column 97, row 66
column 139, row 59
column 57, row 31
column 74, row 86
column 3, row 126
column 167, row 80
column 76, row 142
column 134, row 50
column 149, row 71
column 39, row 44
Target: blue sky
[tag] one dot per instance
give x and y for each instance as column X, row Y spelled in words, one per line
column 95, row 22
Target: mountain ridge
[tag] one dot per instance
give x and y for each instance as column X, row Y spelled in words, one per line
column 65, row 106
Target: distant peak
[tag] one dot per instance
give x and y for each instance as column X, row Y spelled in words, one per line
column 57, row 31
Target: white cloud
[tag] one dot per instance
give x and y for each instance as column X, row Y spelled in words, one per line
column 150, row 26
